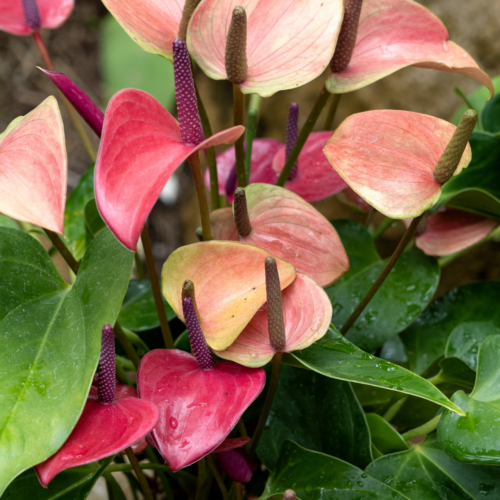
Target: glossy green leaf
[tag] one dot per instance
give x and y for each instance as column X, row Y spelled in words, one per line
column 402, row 297
column 74, row 214
column 455, row 371
column 319, row 413
column 490, row 117
column 426, row 472
column 336, row 357
column 425, row 340
column 8, row 222
column 394, row 351
column 50, row 334
column 72, row 484
column 138, row 311
column 93, row 221
column 125, row 65
column 384, row 437
column 316, row 476
column 476, row 437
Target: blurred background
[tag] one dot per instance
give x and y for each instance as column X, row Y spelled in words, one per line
column 94, row 51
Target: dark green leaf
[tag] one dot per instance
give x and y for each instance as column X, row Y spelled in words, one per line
column 313, row 475
column 93, row 221
column 50, row 335
column 402, row 297
column 319, row 413
column 490, row 117
column 182, row 342
column 394, row 351
column 115, row 491
column 384, row 437
column 138, row 312
column 455, row 371
column 426, row 472
column 335, row 357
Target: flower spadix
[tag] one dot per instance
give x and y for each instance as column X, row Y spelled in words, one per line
column 142, row 145
column 230, row 283
column 34, row 167
column 23, row 17
column 107, row 425
column 290, row 320
column 280, row 44
column 394, row 34
column 283, row 223
column 200, row 401
column 397, row 161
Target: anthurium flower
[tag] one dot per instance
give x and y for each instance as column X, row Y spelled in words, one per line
column 107, row 425
column 394, row 34
column 230, row 282
column 34, row 167
column 22, row 17
column 283, row 223
column 200, row 401
column 389, row 158
column 288, row 43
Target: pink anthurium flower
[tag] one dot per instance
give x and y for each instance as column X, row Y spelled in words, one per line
column 394, row 34
column 200, row 401
column 283, row 223
column 107, row 425
column 23, row 17
column 34, row 167
column 451, row 230
column 288, row 43
column 388, row 158
column 230, row 282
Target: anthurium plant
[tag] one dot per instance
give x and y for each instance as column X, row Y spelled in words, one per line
column 280, row 356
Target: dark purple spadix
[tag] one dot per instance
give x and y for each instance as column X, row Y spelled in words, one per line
column 292, row 131
column 236, row 47
column 275, row 319
column 106, row 383
column 84, row 106
column 31, row 14
column 185, row 95
column 199, row 345
column 240, row 209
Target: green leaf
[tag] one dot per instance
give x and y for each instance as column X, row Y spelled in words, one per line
column 313, row 475
column 74, row 214
column 319, row 413
column 124, row 64
column 138, row 312
column 476, row 437
column 490, row 117
column 402, row 297
column 425, row 340
column 50, row 334
column 384, row 437
column 93, row 221
column 336, row 357
column 71, row 484
column 426, row 472
column 182, row 342
column 455, row 371
column 8, row 222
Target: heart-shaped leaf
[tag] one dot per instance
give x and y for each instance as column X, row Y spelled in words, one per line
column 316, row 475
column 229, row 282
column 289, row 227
column 335, row 357
column 277, row 58
column 307, row 312
column 316, row 179
column 384, row 437
column 388, row 158
column 426, row 471
column 319, row 413
column 401, row 298
column 52, row 14
column 394, row 34
column 34, row 167
column 141, row 147
column 198, row 407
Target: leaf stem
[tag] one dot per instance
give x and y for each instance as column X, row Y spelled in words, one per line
column 383, row 275
column 160, row 473
column 383, row 227
column 37, row 37
column 303, row 135
column 148, row 494
column 139, row 267
column 436, row 379
column 332, row 110
column 238, row 145
column 394, row 409
column 63, row 250
column 194, row 162
column 218, row 477
column 127, row 346
column 273, row 386
column 426, row 428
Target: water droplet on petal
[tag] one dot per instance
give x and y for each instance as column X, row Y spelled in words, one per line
column 173, row 423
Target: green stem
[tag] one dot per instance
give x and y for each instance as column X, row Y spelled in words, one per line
column 242, row 428
column 127, row 346
column 331, row 111
column 273, row 386
column 217, row 476
column 383, row 227
column 394, row 409
column 426, row 428
column 437, row 379
column 63, row 250
column 148, row 494
column 122, row 375
column 155, row 287
column 135, row 340
column 383, row 275
column 139, row 267
column 111, row 484
column 202, row 477
column 150, row 454
column 250, row 134
column 238, row 145
column 303, row 135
